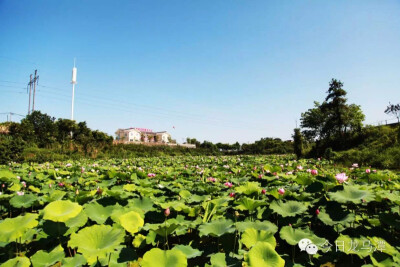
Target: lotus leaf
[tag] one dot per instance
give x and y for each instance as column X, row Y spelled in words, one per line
column 17, row 262
column 77, row 261
column 188, row 251
column 164, row 258
column 353, row 194
column 264, row 225
column 249, row 188
column 61, row 210
column 216, row 228
column 289, row 208
column 96, row 241
column 264, row 255
column 24, row 201
column 13, row 228
column 218, row 260
column 131, row 221
column 251, row 236
column 292, row 236
column 249, row 204
column 97, row 212
column 44, row 259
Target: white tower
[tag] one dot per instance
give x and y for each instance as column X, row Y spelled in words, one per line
column 73, row 81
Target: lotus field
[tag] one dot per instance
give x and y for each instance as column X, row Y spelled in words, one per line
column 199, row 211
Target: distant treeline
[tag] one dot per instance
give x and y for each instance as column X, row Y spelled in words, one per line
column 40, row 137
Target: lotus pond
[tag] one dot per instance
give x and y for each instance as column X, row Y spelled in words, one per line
column 199, row 211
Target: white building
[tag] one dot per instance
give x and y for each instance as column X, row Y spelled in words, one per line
column 142, row 135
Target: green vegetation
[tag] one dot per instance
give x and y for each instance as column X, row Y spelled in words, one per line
column 197, row 211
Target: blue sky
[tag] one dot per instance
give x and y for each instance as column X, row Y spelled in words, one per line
column 222, row 71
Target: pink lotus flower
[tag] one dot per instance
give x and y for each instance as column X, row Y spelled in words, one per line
column 374, row 171
column 263, row 191
column 300, row 167
column 255, row 168
column 341, row 177
column 68, row 165
column 232, row 194
column 289, row 173
column 61, row 184
column 151, row 175
column 50, row 185
column 211, row 179
column 19, row 178
column 314, row 172
column 281, row 191
column 228, row 184
column 23, row 184
column 3, row 185
column 260, row 176
column 317, row 211
column 367, row 170
column 20, row 193
column 167, row 212
column 82, row 169
column 355, row 165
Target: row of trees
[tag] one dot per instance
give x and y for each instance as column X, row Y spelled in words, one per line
column 43, row 131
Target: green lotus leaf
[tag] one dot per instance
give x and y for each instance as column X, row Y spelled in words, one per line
column 249, row 204
column 138, row 240
column 55, row 195
column 164, row 258
column 352, row 193
column 218, row 260
column 217, row 228
column 97, row 212
column 6, row 175
column 289, row 208
column 11, row 229
column 292, row 236
column 96, row 241
column 24, row 201
column 131, row 221
column 264, row 255
column 162, row 229
column 249, row 188
column 185, row 194
column 339, row 218
column 251, row 236
column 353, row 245
column 129, row 187
column 44, row 259
column 77, row 261
column 61, row 210
column 77, row 221
column 264, row 225
column 381, row 245
column 17, row 262
column 188, row 251
column 145, row 204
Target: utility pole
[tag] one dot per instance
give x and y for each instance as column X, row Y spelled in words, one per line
column 35, row 81
column 30, row 91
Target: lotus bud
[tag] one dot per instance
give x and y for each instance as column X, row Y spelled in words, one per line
column 232, row 194
column 317, row 211
column 281, row 191
column 77, row 192
column 237, row 213
column 263, row 191
column 167, row 212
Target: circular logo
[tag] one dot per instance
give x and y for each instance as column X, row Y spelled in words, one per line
column 304, row 243
column 312, row 249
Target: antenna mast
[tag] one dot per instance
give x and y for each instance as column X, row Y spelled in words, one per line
column 73, row 81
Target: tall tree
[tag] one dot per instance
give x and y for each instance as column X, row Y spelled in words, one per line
column 393, row 110
column 298, row 143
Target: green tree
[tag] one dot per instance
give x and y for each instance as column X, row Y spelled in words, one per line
column 39, row 127
column 334, row 118
column 298, row 143
column 393, row 110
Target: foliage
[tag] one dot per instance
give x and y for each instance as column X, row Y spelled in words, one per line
column 111, row 213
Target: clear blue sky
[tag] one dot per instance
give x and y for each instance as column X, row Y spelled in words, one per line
column 217, row 70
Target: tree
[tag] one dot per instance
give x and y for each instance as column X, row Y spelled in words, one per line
column 65, row 127
column 393, row 110
column 41, row 127
column 298, row 143
column 333, row 121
